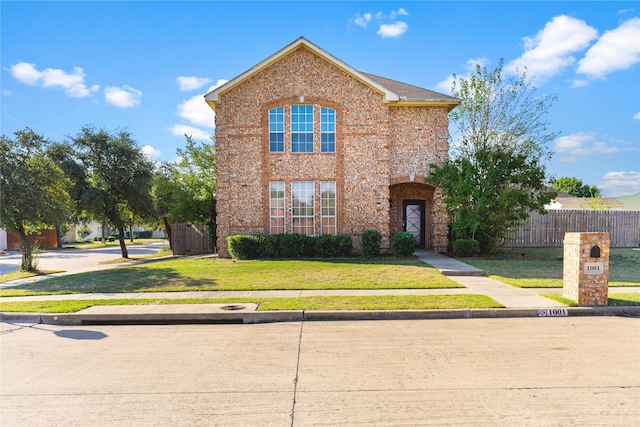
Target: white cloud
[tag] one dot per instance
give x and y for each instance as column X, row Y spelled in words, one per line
column 181, row 130
column 73, row 83
column 196, row 111
column 362, row 20
column 616, row 50
column 572, row 148
column 549, row 52
column 191, row 82
column 396, row 29
column 388, row 25
column 620, row 183
column 637, row 116
column 150, row 152
column 400, row 12
column 124, row 97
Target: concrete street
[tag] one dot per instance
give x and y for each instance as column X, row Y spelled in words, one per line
column 77, row 260
column 521, row 371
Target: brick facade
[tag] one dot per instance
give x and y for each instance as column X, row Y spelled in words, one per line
column 383, row 149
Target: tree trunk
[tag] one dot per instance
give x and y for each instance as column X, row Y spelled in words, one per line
column 123, row 246
column 27, row 255
column 58, row 237
column 167, row 229
column 131, row 233
column 104, row 240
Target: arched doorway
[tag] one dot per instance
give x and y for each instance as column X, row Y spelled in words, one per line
column 411, row 210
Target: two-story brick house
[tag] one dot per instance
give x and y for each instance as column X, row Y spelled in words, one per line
column 307, row 144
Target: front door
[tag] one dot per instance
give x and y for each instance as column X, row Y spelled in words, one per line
column 413, row 220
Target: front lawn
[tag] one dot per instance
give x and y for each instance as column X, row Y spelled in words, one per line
column 542, row 267
column 214, row 274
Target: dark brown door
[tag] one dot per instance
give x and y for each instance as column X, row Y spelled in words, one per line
column 413, row 219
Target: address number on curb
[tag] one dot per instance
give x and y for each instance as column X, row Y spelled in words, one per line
column 553, row 312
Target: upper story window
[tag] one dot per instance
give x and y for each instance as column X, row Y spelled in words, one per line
column 327, row 130
column 302, row 128
column 276, row 130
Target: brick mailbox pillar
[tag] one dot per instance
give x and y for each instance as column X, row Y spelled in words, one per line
column 585, row 272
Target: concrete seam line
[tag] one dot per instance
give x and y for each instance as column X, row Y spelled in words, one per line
column 295, row 380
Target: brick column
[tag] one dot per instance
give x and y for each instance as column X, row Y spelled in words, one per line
column 585, row 272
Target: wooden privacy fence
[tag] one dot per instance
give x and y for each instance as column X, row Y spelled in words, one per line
column 43, row 239
column 189, row 239
column 548, row 230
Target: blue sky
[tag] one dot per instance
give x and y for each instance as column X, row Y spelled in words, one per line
column 145, row 65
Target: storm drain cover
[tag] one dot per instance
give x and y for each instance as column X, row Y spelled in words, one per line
column 232, row 307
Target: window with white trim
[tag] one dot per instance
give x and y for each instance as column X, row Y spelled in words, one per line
column 303, row 208
column 276, row 130
column 277, row 207
column 302, row 128
column 328, row 207
column 327, row 130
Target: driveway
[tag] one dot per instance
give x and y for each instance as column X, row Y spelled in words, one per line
column 77, row 260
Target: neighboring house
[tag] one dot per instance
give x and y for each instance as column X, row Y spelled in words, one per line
column 307, row 144
column 3, row 240
column 631, row 203
column 586, row 203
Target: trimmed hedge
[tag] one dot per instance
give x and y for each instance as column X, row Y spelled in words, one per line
column 371, row 240
column 465, row 247
column 404, row 244
column 288, row 246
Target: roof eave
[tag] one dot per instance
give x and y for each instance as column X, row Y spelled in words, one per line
column 448, row 104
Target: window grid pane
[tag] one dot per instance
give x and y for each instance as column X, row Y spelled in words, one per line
column 302, row 128
column 303, row 208
column 327, row 130
column 276, row 208
column 276, row 130
column 328, row 223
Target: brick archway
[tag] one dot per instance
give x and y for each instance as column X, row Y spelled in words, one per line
column 405, row 190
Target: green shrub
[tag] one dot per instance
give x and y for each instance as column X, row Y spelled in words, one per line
column 371, row 240
column 404, row 244
column 465, row 247
column 97, row 238
column 330, row 246
column 111, row 238
column 244, row 246
column 145, row 234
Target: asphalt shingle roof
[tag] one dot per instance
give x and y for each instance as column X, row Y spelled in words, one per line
column 410, row 92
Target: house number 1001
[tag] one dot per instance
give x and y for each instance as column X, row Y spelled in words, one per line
column 594, row 268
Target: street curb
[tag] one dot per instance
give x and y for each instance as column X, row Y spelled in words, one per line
column 298, row 316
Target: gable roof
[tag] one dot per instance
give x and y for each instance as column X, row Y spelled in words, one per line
column 393, row 91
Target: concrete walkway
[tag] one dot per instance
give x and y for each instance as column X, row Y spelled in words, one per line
column 474, row 280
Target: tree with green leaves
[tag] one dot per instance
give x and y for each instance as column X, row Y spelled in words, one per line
column 575, row 187
column 194, row 185
column 496, row 174
column 119, row 178
column 33, row 189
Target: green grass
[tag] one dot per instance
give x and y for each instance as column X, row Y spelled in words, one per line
column 409, row 302
column 542, row 267
column 616, row 299
column 214, row 274
column 16, row 275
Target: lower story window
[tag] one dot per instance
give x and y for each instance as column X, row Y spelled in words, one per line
column 327, row 207
column 276, row 207
column 303, row 208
